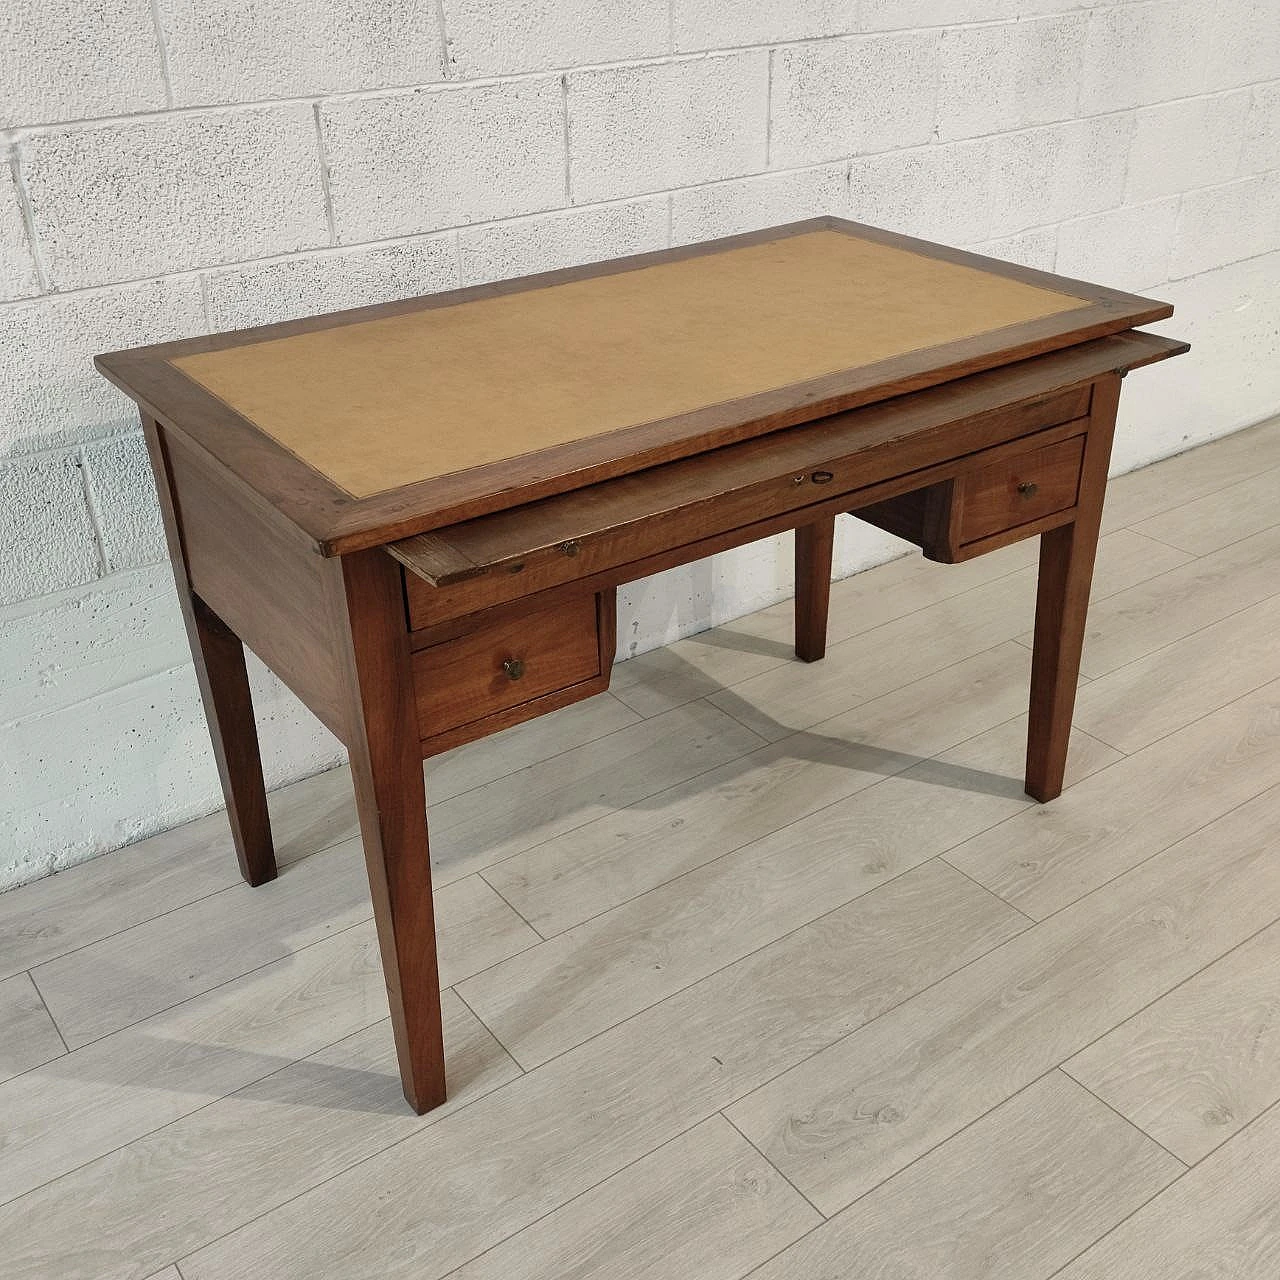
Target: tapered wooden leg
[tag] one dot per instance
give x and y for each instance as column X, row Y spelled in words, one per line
column 228, row 706
column 1062, row 606
column 386, row 764
column 224, row 688
column 813, row 587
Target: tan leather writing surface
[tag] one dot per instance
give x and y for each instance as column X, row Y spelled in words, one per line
column 386, row 402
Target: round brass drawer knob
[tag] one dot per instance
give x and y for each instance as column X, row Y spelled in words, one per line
column 514, row 668
column 1028, row 488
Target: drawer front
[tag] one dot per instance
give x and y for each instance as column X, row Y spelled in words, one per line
column 515, row 660
column 1019, row 489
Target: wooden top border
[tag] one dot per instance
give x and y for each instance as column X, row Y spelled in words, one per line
column 336, row 523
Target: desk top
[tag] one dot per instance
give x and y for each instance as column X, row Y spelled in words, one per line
column 364, row 423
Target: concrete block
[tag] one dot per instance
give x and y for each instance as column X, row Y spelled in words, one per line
column 638, row 129
column 1037, row 248
column 18, row 278
column 124, row 496
column 568, row 238
column 1220, row 225
column 330, row 280
column 45, row 529
column 59, row 652
column 50, row 393
column 1060, row 171
column 140, row 198
column 1244, row 43
column 1125, row 248
column 1009, row 75
column 838, row 98
column 1179, row 146
column 133, row 761
column 721, row 24
column 242, row 51
column 1136, row 54
column 726, row 208
column 67, row 60
column 936, row 192
column 538, row 35
column 1228, row 380
column 1261, row 146
column 435, row 158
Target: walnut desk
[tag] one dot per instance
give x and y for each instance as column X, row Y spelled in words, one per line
column 417, row 514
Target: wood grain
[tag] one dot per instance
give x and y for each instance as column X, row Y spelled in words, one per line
column 464, row 680
column 125, row 1213
column 1221, row 1221
column 1013, row 1197
column 785, row 698
column 859, row 1112
column 1067, row 556
column 1219, row 519
column 814, row 544
column 706, row 1198
column 1020, row 489
column 1173, row 605
column 30, row 1036
column 62, row 913
column 1146, row 700
column 116, row 1089
column 1200, row 1063
column 1045, row 859
column 486, row 825
column 492, row 1169
column 561, row 992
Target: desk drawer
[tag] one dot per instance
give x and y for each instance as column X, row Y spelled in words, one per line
column 1020, row 489
column 500, row 674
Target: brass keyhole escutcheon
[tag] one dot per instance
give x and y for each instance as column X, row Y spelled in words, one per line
column 1028, row 488
column 822, row 477
column 514, row 668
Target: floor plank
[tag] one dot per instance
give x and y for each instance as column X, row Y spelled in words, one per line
column 1137, row 704
column 483, row 826
column 1221, row 1221
column 437, row 1200
column 872, row 663
column 1132, row 623
column 567, row 880
column 1183, row 479
column 475, row 764
column 1218, row 519
column 193, row 1180
column 101, row 897
column 556, row 995
column 707, row 1199
column 1050, row 856
column 154, row 966
column 1014, row 1197
column 858, row 1112
column 29, row 1036
column 116, row 1089
column 1203, row 1061
column 705, row 663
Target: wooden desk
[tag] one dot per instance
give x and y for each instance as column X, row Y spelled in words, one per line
column 417, row 513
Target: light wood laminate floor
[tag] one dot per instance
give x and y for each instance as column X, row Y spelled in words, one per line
column 753, row 968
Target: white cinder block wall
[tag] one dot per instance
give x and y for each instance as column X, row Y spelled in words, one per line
column 174, row 166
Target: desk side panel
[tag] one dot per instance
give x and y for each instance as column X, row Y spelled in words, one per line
column 258, row 576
